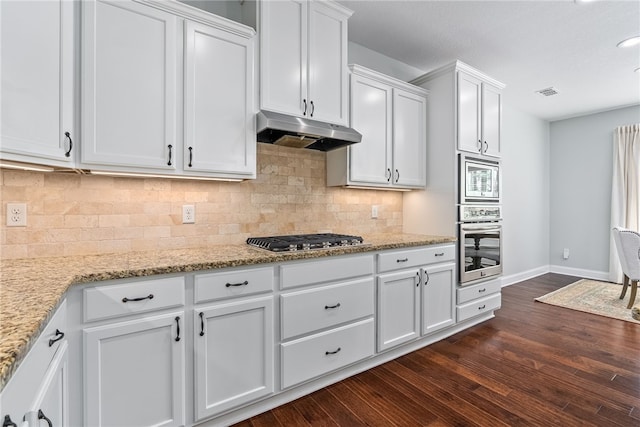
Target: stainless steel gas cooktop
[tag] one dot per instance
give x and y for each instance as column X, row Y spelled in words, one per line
column 302, row 242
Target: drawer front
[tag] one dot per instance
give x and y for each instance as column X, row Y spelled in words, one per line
column 104, row 302
column 325, row 270
column 441, row 253
column 469, row 293
column 397, row 260
column 316, row 355
column 479, row 306
column 215, row 286
column 313, row 309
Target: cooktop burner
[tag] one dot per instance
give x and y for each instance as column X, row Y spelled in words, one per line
column 303, row 242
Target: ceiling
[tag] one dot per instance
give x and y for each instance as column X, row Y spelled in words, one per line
column 528, row 45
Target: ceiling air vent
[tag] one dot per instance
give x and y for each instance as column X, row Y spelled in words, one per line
column 548, row 91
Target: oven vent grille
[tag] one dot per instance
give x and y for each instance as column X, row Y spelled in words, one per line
column 548, row 91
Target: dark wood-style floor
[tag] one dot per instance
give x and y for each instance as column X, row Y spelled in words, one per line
column 533, row 364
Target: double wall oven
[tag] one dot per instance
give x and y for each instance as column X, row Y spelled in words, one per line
column 480, row 219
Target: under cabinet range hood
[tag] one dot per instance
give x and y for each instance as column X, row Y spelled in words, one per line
column 281, row 129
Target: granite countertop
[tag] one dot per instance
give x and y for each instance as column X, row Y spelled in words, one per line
column 31, row 289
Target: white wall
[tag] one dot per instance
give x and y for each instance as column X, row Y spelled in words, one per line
column 525, row 195
column 373, row 60
column 580, row 198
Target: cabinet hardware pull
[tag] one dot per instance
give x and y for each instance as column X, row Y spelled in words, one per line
column 245, row 283
column 201, row 324
column 482, row 290
column 178, row 326
column 42, row 416
column 483, row 306
column 170, row 147
column 397, row 176
column 326, row 353
column 426, row 281
column 59, row 336
column 390, row 174
column 327, row 307
column 304, row 113
column 313, row 108
column 68, row 153
column 486, row 146
column 8, row 422
column 419, row 279
column 440, row 254
column 125, row 299
column 480, row 145
column 190, row 157
column 402, row 260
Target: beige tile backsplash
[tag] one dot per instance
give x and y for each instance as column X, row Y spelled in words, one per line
column 72, row 214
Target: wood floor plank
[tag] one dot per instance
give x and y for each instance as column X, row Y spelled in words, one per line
column 533, row 364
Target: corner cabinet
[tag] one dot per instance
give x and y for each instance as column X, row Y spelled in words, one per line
column 391, row 116
column 303, row 59
column 166, row 89
column 38, row 62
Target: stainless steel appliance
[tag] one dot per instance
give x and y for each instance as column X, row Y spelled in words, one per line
column 301, row 242
column 479, row 180
column 480, row 242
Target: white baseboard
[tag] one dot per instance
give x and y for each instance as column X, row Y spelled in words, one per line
column 524, row 275
column 580, row 272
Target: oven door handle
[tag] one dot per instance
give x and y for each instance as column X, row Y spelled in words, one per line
column 468, row 227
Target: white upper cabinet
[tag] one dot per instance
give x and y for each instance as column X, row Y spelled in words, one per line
column 37, row 68
column 391, row 116
column 167, row 89
column 303, row 59
column 479, row 115
column 129, row 66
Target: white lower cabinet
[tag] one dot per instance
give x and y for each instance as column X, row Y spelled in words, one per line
column 233, row 354
column 398, row 308
column 438, row 297
column 478, row 299
column 134, row 372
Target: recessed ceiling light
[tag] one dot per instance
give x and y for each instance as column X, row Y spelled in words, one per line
column 632, row 41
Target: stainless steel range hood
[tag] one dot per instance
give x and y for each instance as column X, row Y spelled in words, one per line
column 281, row 129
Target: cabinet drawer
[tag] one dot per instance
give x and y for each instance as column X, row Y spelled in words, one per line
column 396, row 260
column 215, row 286
column 479, row 306
column 326, row 270
column 469, row 293
column 318, row 354
column 103, row 302
column 313, row 309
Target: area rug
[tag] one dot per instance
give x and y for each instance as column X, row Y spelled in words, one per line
column 592, row 296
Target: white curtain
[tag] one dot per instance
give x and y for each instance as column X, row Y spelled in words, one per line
column 625, row 194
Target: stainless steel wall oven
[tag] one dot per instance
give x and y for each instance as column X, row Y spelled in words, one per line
column 480, row 242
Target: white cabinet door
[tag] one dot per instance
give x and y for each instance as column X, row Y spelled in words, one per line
column 398, row 308
column 234, row 354
column 51, row 401
column 37, row 44
column 438, row 297
column 371, row 104
column 328, row 71
column 283, row 56
column 220, row 133
column 128, row 85
column 409, row 139
column 469, row 113
column 491, row 119
column 134, row 372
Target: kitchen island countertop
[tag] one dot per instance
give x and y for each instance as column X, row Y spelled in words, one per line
column 32, row 288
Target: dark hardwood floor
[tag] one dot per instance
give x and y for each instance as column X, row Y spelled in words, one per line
column 533, row 364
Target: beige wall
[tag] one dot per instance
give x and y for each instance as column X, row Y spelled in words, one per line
column 71, row 214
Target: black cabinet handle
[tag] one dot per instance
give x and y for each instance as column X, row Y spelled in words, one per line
column 8, row 422
column 190, row 157
column 59, row 336
column 178, row 326
column 68, row 153
column 327, row 307
column 486, row 146
column 125, row 299
column 390, row 174
column 326, row 353
column 245, row 283
column 304, row 113
column 480, row 145
column 402, row 260
column 440, row 254
column 419, row 279
column 170, row 147
column 482, row 290
column 42, row 416
column 313, row 108
column 397, row 176
column 426, row 282
column 201, row 324
column 483, row 306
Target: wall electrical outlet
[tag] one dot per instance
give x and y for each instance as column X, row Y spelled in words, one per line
column 374, row 211
column 565, row 253
column 16, row 214
column 188, row 214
